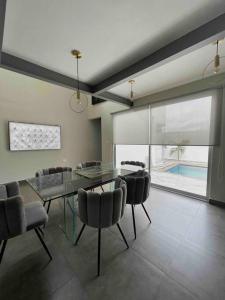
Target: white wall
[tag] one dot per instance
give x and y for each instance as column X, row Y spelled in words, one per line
column 26, row 99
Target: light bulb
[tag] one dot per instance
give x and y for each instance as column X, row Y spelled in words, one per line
column 131, row 94
column 216, row 64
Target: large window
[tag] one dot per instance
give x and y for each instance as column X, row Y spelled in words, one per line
column 178, row 134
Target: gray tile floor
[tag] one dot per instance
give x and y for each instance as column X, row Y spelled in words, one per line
column 181, row 255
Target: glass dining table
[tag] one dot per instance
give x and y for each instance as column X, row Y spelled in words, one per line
column 64, row 187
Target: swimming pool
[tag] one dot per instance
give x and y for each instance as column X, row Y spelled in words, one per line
column 189, row 171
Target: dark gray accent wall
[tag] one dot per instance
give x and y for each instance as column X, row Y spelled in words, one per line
column 115, row 98
column 2, row 22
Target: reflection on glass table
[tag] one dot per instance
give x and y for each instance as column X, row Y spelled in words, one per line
column 65, row 186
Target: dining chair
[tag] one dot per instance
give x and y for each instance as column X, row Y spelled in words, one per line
column 17, row 218
column 133, row 163
column 138, row 186
column 50, row 171
column 102, row 211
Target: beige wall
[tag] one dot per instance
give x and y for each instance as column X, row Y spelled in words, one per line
column 26, row 99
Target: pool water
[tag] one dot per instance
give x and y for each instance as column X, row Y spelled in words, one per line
column 189, row 171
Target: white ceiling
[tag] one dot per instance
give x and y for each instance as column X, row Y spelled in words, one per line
column 185, row 69
column 111, row 33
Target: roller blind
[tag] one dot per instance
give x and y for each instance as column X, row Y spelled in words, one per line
column 189, row 121
column 131, row 127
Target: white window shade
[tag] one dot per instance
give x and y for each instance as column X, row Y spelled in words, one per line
column 188, row 121
column 131, row 127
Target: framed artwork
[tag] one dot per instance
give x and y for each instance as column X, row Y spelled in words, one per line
column 27, row 136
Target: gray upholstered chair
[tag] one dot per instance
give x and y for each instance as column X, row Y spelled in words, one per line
column 49, row 171
column 102, row 211
column 16, row 218
column 133, row 163
column 138, row 185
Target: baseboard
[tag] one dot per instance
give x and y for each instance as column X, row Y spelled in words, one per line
column 217, row 203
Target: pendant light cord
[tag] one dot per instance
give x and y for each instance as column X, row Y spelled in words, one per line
column 78, row 80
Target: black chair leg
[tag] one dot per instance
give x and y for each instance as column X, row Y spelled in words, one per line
column 80, row 233
column 123, row 236
column 102, row 188
column 49, row 204
column 134, row 222
column 99, row 251
column 41, row 231
column 43, row 243
column 146, row 213
column 3, row 250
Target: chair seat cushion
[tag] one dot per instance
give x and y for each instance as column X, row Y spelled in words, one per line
column 35, row 215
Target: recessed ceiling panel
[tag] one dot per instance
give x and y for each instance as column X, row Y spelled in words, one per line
column 111, row 34
column 180, row 71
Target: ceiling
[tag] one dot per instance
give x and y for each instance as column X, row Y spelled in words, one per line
column 183, row 70
column 111, row 34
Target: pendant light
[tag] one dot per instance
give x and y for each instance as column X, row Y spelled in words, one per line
column 78, row 101
column 131, row 82
column 216, row 64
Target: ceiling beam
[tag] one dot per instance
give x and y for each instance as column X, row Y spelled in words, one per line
column 2, row 22
column 115, row 98
column 191, row 41
column 25, row 67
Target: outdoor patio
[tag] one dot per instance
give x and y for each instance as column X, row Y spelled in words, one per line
column 161, row 176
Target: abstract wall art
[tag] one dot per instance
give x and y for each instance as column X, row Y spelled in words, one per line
column 25, row 136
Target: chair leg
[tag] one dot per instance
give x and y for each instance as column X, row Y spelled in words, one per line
column 99, row 250
column 49, row 204
column 43, row 243
column 102, row 188
column 3, row 250
column 123, row 236
column 135, row 235
column 80, row 233
column 41, row 231
column 146, row 213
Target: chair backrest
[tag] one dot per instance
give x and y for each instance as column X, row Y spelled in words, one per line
column 138, row 186
column 12, row 213
column 89, row 164
column 133, row 163
column 102, row 210
column 53, row 171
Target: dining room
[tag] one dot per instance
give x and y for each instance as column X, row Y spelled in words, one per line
column 112, row 140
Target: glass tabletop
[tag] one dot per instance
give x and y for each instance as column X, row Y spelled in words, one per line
column 58, row 185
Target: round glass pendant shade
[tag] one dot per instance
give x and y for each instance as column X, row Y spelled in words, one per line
column 78, row 102
column 213, row 69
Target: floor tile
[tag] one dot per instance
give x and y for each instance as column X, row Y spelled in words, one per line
column 127, row 277
column 180, row 255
